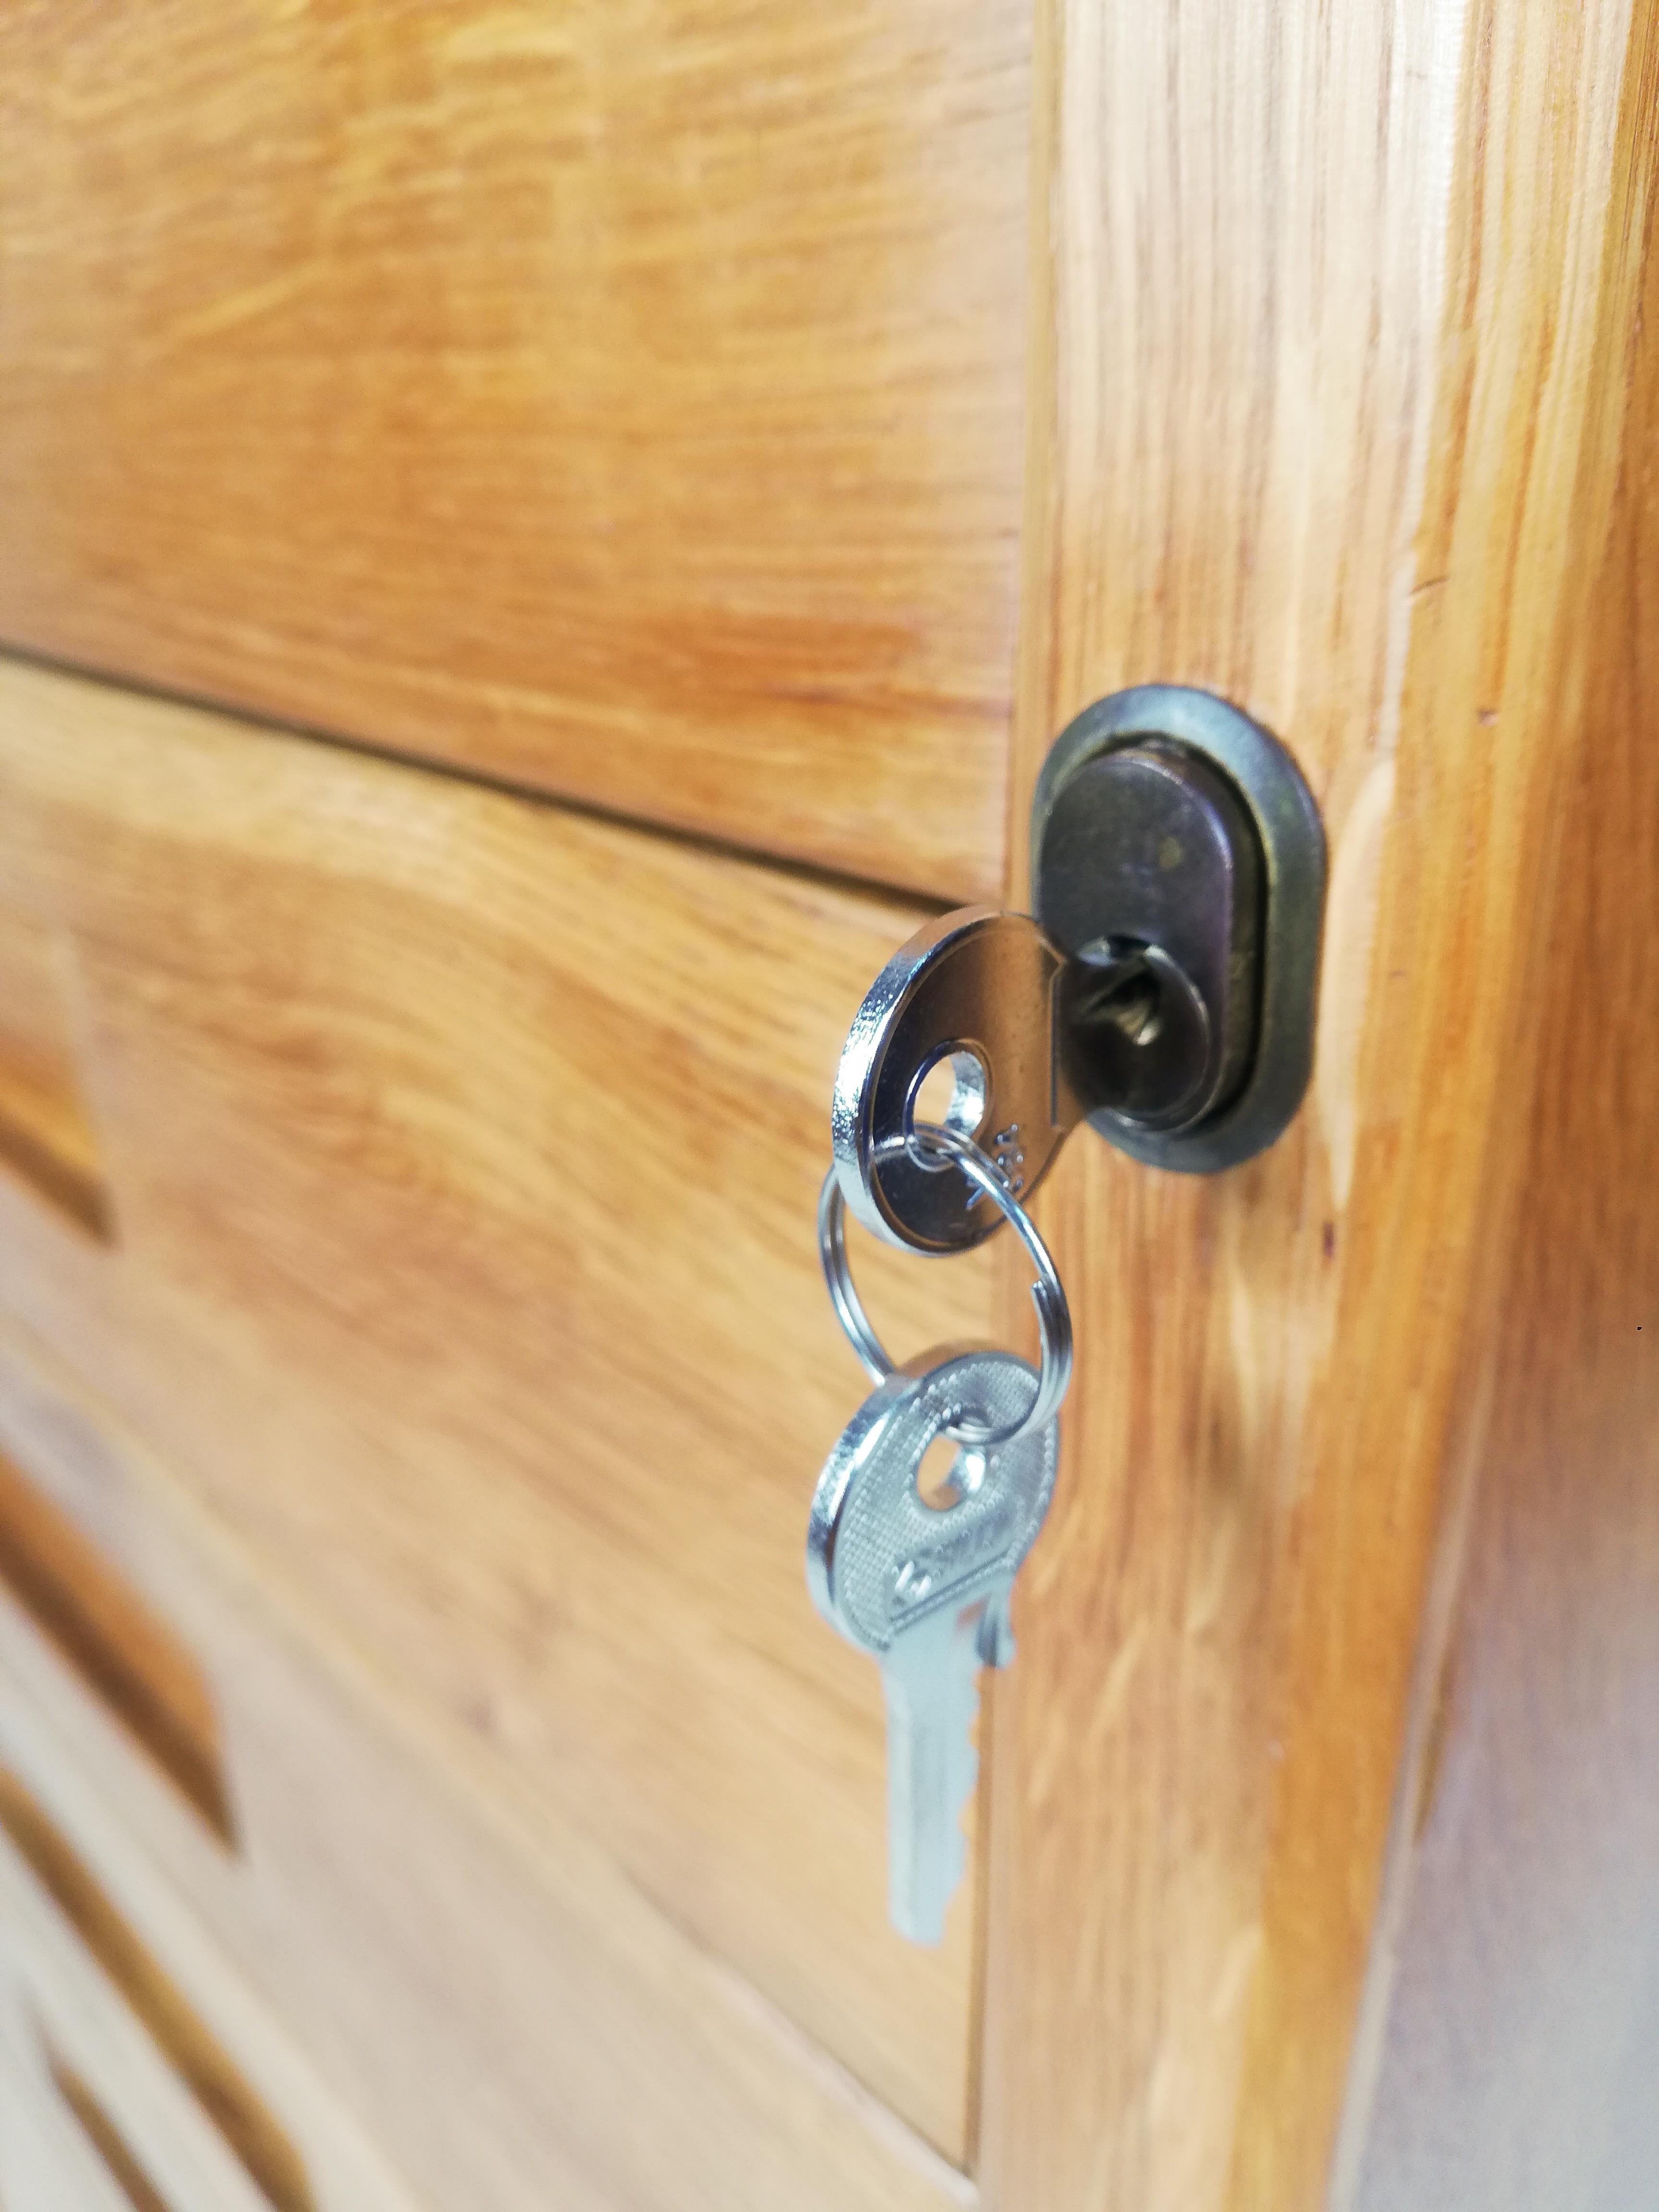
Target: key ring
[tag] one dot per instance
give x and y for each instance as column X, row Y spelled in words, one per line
column 1047, row 1296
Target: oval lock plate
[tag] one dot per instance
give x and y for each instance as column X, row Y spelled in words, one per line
column 1164, row 817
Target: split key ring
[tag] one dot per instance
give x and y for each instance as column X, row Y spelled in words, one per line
column 1048, row 1295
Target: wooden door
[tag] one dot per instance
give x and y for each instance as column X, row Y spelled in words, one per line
column 537, row 545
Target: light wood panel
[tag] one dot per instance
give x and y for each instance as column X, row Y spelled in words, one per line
column 184, row 2131
column 1513, row 2004
column 47, row 1132
column 46, row 2163
column 514, row 2024
column 466, row 1155
column 50, row 1882
column 624, row 398
column 1339, row 301
column 119, row 2162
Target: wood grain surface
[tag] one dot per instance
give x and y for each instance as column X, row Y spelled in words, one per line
column 1339, row 300
column 510, row 2022
column 1515, row 1988
column 465, row 1156
column 622, row 398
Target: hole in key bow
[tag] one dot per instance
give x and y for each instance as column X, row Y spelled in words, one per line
column 952, row 1089
column 948, row 1473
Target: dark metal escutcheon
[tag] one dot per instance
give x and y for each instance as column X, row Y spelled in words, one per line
column 1178, row 862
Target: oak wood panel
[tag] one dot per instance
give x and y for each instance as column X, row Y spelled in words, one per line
column 466, row 1155
column 1516, row 2001
column 1335, row 297
column 620, row 399
column 515, row 2025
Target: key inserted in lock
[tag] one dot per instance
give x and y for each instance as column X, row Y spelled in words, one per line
column 1163, row 989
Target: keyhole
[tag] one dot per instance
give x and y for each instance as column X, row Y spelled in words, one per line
column 1132, row 1003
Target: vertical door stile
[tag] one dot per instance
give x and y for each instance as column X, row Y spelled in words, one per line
column 1329, row 311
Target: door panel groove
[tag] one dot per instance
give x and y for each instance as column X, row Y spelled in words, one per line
column 231, row 2103
column 558, row 803
column 127, row 1656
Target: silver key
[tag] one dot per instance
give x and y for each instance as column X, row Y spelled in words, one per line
column 1034, row 1038
column 925, row 1588
column 977, row 989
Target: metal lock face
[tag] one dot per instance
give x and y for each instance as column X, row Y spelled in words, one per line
column 1151, row 877
column 1238, row 907
column 1164, row 987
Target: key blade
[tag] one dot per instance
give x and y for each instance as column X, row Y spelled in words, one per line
column 930, row 1676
